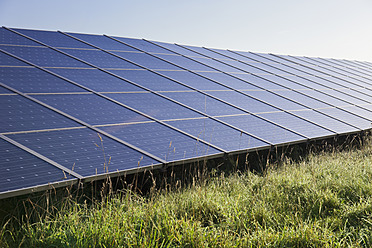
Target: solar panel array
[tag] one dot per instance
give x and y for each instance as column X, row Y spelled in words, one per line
column 78, row 106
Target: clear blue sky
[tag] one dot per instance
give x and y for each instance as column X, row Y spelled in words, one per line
column 320, row 28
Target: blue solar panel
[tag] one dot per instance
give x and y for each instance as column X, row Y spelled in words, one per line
column 150, row 80
column 97, row 80
column 260, row 128
column 33, row 80
column 305, row 100
column 159, row 108
column 308, row 82
column 9, row 38
column 283, row 81
column 326, row 121
column 5, row 91
column 53, row 39
column 19, row 169
column 21, row 114
column 358, row 93
column 185, row 63
column 174, row 48
column 193, row 80
column 258, row 81
column 349, row 118
column 228, row 80
column 233, row 55
column 301, row 126
column 359, row 110
column 143, row 45
column 6, row 60
column 82, row 151
column 113, row 83
column 200, row 51
column 218, row 65
column 267, row 69
column 275, row 100
column 251, row 68
column 91, row 108
column 353, row 82
column 218, row 134
column 147, row 61
column 286, row 69
column 332, row 97
column 45, row 57
column 161, row 141
column 242, row 101
column 103, row 42
column 100, row 59
column 203, row 103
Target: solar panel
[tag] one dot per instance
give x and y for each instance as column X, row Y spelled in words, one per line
column 81, row 107
column 34, row 80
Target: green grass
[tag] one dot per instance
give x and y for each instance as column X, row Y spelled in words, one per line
column 322, row 200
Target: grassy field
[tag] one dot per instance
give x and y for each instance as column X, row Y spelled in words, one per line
column 321, row 200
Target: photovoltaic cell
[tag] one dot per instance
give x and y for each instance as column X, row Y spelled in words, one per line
column 303, row 99
column 203, row 103
column 326, row 121
column 175, row 49
column 229, row 80
column 359, row 110
column 5, row 91
column 91, row 108
column 306, row 82
column 33, row 80
column 364, row 97
column 143, row 45
column 275, row 100
column 161, row 141
column 54, row 39
column 233, row 55
column 21, row 114
column 288, row 82
column 150, row 80
column 147, row 61
column 258, row 81
column 297, row 124
column 42, row 56
column 218, row 134
column 349, row 118
column 159, row 108
column 259, row 127
column 96, row 80
column 82, row 151
column 185, row 63
column 249, row 68
column 100, row 59
column 243, row 101
column 216, row 64
column 103, row 42
column 20, row 169
column 7, row 60
column 330, row 97
column 200, row 51
column 193, row 80
column 9, row 38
